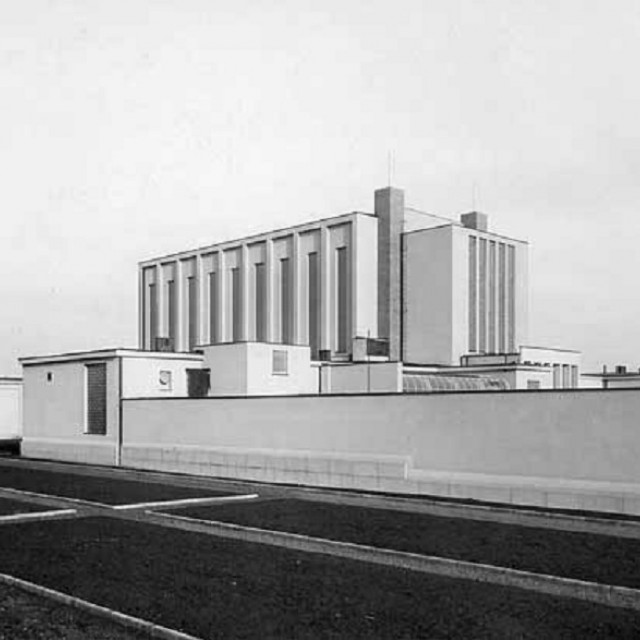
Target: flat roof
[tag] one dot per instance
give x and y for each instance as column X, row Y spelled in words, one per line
column 111, row 353
column 530, row 346
column 613, row 374
column 455, row 370
column 256, row 237
column 457, row 225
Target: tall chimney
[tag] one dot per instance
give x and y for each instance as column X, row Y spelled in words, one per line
column 389, row 208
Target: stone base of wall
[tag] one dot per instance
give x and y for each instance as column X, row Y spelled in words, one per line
column 382, row 473
column 323, row 469
column 102, row 453
column 391, row 474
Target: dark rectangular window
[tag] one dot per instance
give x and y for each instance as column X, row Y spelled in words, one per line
column 482, row 297
column 285, row 301
column 213, row 307
column 342, row 281
column 172, row 303
column 473, row 294
column 313, row 290
column 512, row 299
column 153, row 316
column 502, row 299
column 492, row 297
column 96, row 377
column 557, row 376
column 236, row 305
column 574, row 376
column 261, row 302
column 198, row 383
column 192, row 310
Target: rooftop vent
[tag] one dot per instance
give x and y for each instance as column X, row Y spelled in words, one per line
column 475, row 220
column 620, row 369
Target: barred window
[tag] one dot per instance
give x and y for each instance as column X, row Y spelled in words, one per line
column 96, row 377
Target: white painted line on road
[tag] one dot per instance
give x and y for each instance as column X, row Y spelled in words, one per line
column 152, row 629
column 186, row 502
column 37, row 515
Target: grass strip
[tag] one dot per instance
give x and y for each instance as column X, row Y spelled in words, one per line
column 25, row 616
column 578, row 555
column 214, row 588
column 9, row 507
column 110, row 491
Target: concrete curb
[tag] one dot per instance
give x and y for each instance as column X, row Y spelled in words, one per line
column 154, row 630
column 609, row 595
column 186, row 502
column 519, row 517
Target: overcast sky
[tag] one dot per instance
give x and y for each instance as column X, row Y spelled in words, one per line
column 135, row 128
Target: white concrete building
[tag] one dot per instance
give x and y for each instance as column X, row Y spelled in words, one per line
column 397, row 284
column 72, row 401
column 621, row 377
column 312, row 285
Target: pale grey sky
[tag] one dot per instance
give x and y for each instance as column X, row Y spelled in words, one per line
column 134, row 128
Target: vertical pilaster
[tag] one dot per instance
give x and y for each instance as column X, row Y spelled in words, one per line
column 201, row 288
column 222, row 304
column 160, row 297
column 269, row 294
column 325, row 289
column 296, row 293
column 142, row 315
column 354, row 275
column 245, row 293
column 180, row 306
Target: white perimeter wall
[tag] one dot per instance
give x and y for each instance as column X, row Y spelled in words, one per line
column 373, row 377
column 10, row 409
column 574, row 449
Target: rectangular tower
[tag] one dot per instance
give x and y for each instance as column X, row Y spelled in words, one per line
column 389, row 208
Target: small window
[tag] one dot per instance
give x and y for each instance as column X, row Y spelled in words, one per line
column 49, row 376
column 165, row 381
column 533, row 384
column 280, row 365
column 96, row 380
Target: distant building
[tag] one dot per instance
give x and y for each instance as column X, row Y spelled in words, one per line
column 620, row 378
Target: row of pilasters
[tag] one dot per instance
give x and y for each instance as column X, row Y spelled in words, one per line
column 244, row 258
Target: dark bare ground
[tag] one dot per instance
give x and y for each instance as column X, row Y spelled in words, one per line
column 215, row 588
column 25, row 616
column 583, row 556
